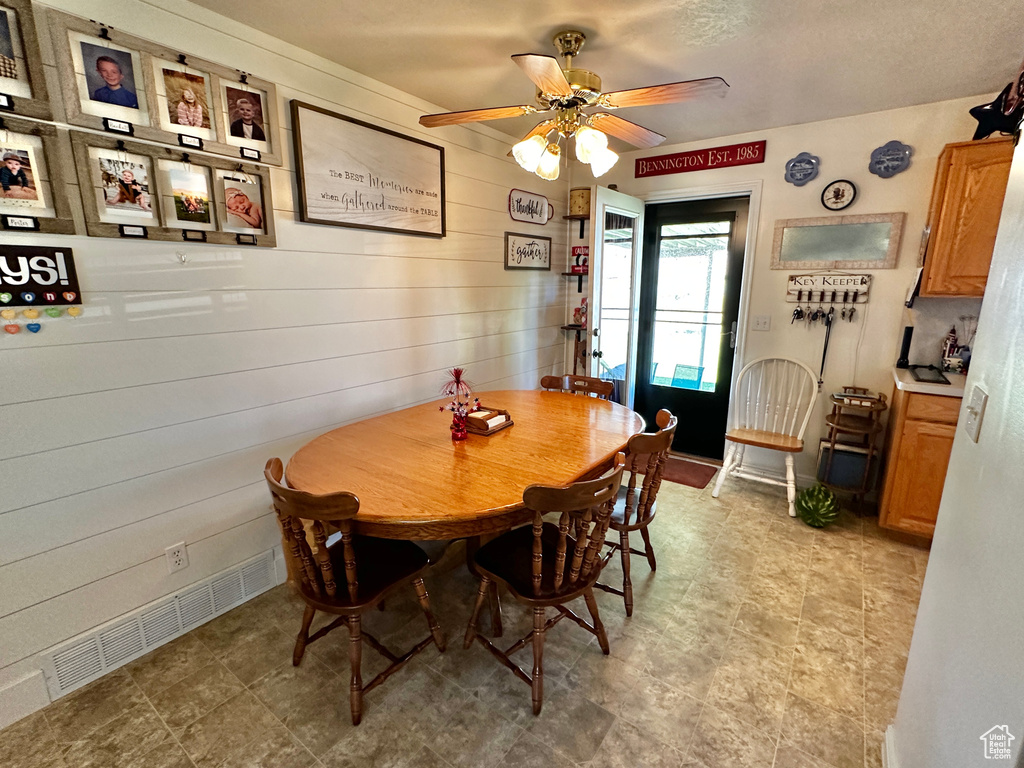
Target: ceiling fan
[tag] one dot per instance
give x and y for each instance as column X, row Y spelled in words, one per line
column 568, row 92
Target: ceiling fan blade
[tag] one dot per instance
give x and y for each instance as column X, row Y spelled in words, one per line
column 538, row 130
column 545, row 73
column 629, row 132
column 665, row 94
column 475, row 115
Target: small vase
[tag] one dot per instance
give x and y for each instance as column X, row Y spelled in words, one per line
column 458, row 426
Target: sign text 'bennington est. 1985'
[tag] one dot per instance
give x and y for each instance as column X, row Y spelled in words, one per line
column 701, row 159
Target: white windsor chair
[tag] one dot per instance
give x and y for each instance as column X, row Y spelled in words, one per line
column 770, row 409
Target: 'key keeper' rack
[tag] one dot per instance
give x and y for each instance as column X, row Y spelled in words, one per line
column 828, row 288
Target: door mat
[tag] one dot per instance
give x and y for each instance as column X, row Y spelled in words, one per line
column 688, row 472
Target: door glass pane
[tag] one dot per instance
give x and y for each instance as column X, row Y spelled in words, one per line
column 692, row 260
column 616, row 280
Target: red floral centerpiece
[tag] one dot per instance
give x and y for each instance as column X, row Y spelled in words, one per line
column 462, row 403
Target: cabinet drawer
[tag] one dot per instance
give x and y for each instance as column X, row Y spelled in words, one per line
column 937, row 408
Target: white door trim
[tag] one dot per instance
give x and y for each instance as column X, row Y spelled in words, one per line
column 732, row 189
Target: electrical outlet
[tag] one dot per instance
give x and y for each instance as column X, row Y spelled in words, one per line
column 762, row 322
column 177, row 557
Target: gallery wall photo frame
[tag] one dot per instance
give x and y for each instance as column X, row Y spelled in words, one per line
column 527, row 251
column 355, row 174
column 136, row 190
column 128, row 86
column 34, row 196
column 22, row 81
column 866, row 241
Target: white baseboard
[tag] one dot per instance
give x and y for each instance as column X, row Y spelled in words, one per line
column 23, row 697
column 889, row 749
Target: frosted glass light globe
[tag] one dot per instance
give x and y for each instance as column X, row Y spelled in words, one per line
column 549, row 162
column 589, row 142
column 527, row 152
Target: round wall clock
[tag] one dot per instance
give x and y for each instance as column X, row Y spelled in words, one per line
column 838, row 194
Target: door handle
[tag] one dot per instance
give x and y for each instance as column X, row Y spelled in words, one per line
column 732, row 336
column 597, row 353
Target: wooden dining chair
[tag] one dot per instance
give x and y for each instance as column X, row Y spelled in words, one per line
column 771, row 406
column 348, row 578
column 579, row 385
column 547, row 565
column 636, row 502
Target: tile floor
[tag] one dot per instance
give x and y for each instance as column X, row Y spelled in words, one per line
column 759, row 642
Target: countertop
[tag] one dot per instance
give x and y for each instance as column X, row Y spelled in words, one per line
column 906, row 382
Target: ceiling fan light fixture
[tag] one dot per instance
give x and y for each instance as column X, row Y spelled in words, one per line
column 529, row 151
column 589, row 142
column 549, row 162
column 601, row 161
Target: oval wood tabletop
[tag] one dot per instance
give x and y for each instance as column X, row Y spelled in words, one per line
column 414, row 482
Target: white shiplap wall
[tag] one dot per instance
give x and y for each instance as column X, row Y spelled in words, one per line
column 148, row 419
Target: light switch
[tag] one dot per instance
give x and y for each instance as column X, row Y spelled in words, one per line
column 975, row 412
column 762, row 322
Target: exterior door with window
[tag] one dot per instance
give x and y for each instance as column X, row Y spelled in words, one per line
column 689, row 306
column 617, row 222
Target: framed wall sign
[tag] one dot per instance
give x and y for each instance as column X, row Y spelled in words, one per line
column 22, row 85
column 33, row 181
column 144, row 191
column 529, row 207
column 527, row 251
column 353, row 174
column 128, row 86
column 870, row 241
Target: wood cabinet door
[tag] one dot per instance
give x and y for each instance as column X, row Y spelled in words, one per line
column 921, row 462
column 965, row 216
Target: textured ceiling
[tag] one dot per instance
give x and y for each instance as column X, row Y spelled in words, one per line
column 788, row 61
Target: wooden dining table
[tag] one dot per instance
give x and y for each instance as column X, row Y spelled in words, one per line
column 414, row 482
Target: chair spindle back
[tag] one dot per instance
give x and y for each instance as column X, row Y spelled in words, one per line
column 645, row 462
column 579, row 385
column 313, row 569
column 586, row 507
column 774, row 395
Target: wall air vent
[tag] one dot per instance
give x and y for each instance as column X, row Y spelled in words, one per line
column 102, row 649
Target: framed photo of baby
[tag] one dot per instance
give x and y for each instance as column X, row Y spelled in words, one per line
column 243, row 205
column 125, row 186
column 17, row 181
column 186, row 99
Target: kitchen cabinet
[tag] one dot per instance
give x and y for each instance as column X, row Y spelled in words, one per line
column 963, row 217
column 919, row 441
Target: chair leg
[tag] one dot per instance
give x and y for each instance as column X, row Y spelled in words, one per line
column 303, row 638
column 481, row 595
column 650, row 550
column 496, row 628
column 791, row 485
column 627, row 585
column 730, row 453
column 435, row 630
column 355, row 657
column 538, row 660
column 602, row 637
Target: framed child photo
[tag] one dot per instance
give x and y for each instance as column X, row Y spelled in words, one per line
column 33, row 186
column 22, row 84
column 131, row 189
column 131, row 87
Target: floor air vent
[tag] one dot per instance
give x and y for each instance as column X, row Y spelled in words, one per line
column 82, row 659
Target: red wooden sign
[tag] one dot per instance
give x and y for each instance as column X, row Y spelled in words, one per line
column 700, row 159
